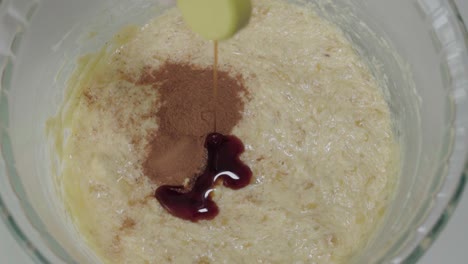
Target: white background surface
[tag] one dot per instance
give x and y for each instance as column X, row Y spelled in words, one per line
column 450, row 248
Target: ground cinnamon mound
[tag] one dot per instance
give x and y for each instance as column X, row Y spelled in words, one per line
column 186, row 116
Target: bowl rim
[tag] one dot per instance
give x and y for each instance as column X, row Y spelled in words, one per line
column 442, row 221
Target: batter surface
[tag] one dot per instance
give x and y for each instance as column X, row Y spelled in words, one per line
column 315, row 125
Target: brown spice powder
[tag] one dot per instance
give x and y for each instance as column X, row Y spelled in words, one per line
column 186, row 116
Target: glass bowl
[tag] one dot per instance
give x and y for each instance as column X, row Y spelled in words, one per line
column 416, row 48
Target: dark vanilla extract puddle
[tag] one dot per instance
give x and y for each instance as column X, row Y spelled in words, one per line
column 223, row 164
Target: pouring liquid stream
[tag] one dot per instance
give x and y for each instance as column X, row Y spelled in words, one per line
column 215, row 85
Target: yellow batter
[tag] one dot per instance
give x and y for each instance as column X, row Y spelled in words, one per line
column 317, row 132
